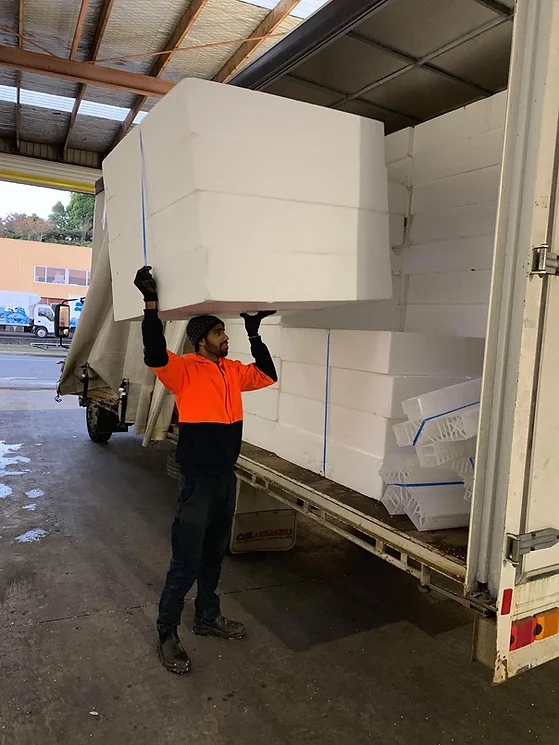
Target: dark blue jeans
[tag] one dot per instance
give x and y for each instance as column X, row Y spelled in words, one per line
column 199, row 535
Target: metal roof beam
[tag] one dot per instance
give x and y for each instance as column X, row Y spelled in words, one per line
column 328, row 89
column 102, row 21
column 83, row 72
column 329, row 23
column 422, row 62
column 412, row 62
column 497, row 7
column 186, row 22
column 267, row 26
column 18, row 75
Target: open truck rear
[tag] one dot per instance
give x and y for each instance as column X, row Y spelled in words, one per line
column 505, row 567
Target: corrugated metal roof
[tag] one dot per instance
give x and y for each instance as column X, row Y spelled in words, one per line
column 401, row 61
column 133, row 27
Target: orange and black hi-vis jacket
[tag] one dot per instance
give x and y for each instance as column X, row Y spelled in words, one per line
column 208, row 397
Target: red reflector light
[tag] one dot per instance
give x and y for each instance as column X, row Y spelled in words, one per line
column 522, row 633
column 547, row 624
column 507, row 602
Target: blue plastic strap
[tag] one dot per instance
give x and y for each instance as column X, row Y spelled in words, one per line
column 326, row 404
column 143, row 170
column 438, row 416
column 472, row 463
column 432, row 483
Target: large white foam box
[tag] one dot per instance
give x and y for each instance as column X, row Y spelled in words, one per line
column 251, row 201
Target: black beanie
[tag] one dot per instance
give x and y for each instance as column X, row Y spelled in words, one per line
column 199, row 327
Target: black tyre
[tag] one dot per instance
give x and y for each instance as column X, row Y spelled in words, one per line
column 173, row 468
column 40, row 332
column 100, row 422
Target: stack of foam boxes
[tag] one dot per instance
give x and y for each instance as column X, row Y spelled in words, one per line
column 431, row 479
column 339, row 394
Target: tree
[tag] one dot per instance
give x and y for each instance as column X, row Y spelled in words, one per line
column 73, row 224
column 25, row 227
column 70, row 225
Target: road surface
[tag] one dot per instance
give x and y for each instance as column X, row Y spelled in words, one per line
column 31, row 372
column 342, row 649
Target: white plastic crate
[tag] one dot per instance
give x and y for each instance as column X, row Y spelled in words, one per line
column 395, row 499
column 460, row 425
column 442, row 401
column 438, row 508
column 437, row 453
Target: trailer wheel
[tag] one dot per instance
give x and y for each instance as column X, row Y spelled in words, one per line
column 100, row 423
column 173, row 468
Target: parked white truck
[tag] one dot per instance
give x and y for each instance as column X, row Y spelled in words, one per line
column 505, row 567
column 23, row 311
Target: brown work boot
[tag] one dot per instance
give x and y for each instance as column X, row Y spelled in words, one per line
column 171, row 653
column 223, row 627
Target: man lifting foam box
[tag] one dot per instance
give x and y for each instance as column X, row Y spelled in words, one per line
column 242, row 200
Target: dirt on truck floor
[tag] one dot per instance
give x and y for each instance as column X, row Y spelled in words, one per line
column 341, row 648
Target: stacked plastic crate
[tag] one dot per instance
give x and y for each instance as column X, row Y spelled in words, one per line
column 431, row 478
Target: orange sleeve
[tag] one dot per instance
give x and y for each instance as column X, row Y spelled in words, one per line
column 251, row 378
column 173, row 375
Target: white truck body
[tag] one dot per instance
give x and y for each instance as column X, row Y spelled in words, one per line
column 510, row 578
column 16, row 308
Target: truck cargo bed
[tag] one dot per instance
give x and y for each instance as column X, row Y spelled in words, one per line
column 362, row 520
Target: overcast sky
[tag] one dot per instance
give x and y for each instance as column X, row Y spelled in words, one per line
column 29, row 199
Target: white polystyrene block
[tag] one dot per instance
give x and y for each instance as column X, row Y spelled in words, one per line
column 239, row 343
column 398, row 196
column 380, row 394
column 436, row 402
column 302, row 448
column 302, row 414
column 478, row 117
column 396, row 230
column 472, row 187
column 469, row 154
column 228, row 231
column 400, row 171
column 399, row 144
column 300, row 379
column 262, row 403
column 397, row 353
column 354, row 469
column 456, row 320
column 457, row 222
column 304, row 345
column 260, row 432
column 375, row 314
column 446, row 288
column 461, row 254
column 361, row 431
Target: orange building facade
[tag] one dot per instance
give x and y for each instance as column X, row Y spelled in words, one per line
column 55, row 272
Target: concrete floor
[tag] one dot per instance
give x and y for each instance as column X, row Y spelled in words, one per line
column 341, row 647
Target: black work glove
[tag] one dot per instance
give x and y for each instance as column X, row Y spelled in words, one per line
column 145, row 282
column 252, row 323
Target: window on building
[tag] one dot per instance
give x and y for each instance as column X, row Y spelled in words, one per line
column 59, row 276
column 56, row 275
column 40, row 274
column 78, row 277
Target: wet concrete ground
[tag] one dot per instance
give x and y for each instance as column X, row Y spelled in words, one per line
column 341, row 647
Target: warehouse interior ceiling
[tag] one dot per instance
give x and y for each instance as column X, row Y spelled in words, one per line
column 77, row 75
